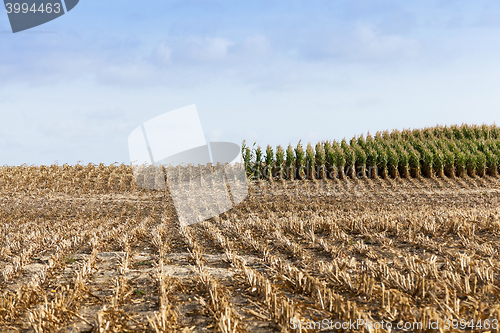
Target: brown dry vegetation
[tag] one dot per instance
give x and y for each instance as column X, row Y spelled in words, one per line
column 83, row 249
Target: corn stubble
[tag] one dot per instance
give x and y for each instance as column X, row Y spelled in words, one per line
column 84, row 249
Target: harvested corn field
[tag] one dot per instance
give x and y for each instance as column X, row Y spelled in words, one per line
column 84, row 250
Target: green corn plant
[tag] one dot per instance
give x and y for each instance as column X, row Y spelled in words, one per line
column 369, row 140
column 258, row 163
column 427, row 134
column 418, row 145
column 470, row 146
column 495, row 132
column 414, row 162
column 437, row 158
column 321, row 160
column 371, row 162
column 290, row 163
column 467, row 132
column 247, row 155
column 343, row 145
column 490, row 145
column 360, row 162
column 460, row 164
column 447, row 132
column 243, row 147
column 481, row 145
column 353, row 142
column 361, row 142
column 457, row 132
column 481, row 166
column 410, row 141
column 477, row 133
column 439, row 144
column 392, row 162
column 350, row 159
column 395, row 135
column 485, row 132
column 300, row 160
column 437, row 132
column 386, row 143
column 427, row 162
column 382, row 170
column 452, row 147
column 406, row 145
column 449, row 163
column 417, row 134
column 471, row 164
column 403, row 161
column 330, row 160
column 269, row 167
column 406, row 134
column 280, row 162
column 491, row 163
column 340, row 162
column 497, row 154
column 310, row 163
column 460, row 146
column 438, row 163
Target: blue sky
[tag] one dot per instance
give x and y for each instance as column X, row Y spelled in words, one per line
column 274, row 72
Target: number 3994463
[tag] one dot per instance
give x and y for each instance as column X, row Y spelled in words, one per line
column 25, row 8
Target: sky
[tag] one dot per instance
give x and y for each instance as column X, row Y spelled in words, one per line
column 271, row 72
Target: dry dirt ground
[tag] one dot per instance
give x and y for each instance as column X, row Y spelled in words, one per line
column 116, row 260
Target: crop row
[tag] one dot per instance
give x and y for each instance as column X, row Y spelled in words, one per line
column 465, row 150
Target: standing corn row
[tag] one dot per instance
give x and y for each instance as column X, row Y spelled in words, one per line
column 441, row 151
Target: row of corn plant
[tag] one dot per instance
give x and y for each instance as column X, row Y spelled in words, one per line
column 441, row 151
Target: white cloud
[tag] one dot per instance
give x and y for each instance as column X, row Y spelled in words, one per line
column 127, row 74
column 162, row 54
column 359, row 42
column 66, row 129
column 204, row 49
column 105, row 115
column 256, row 45
column 369, row 43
